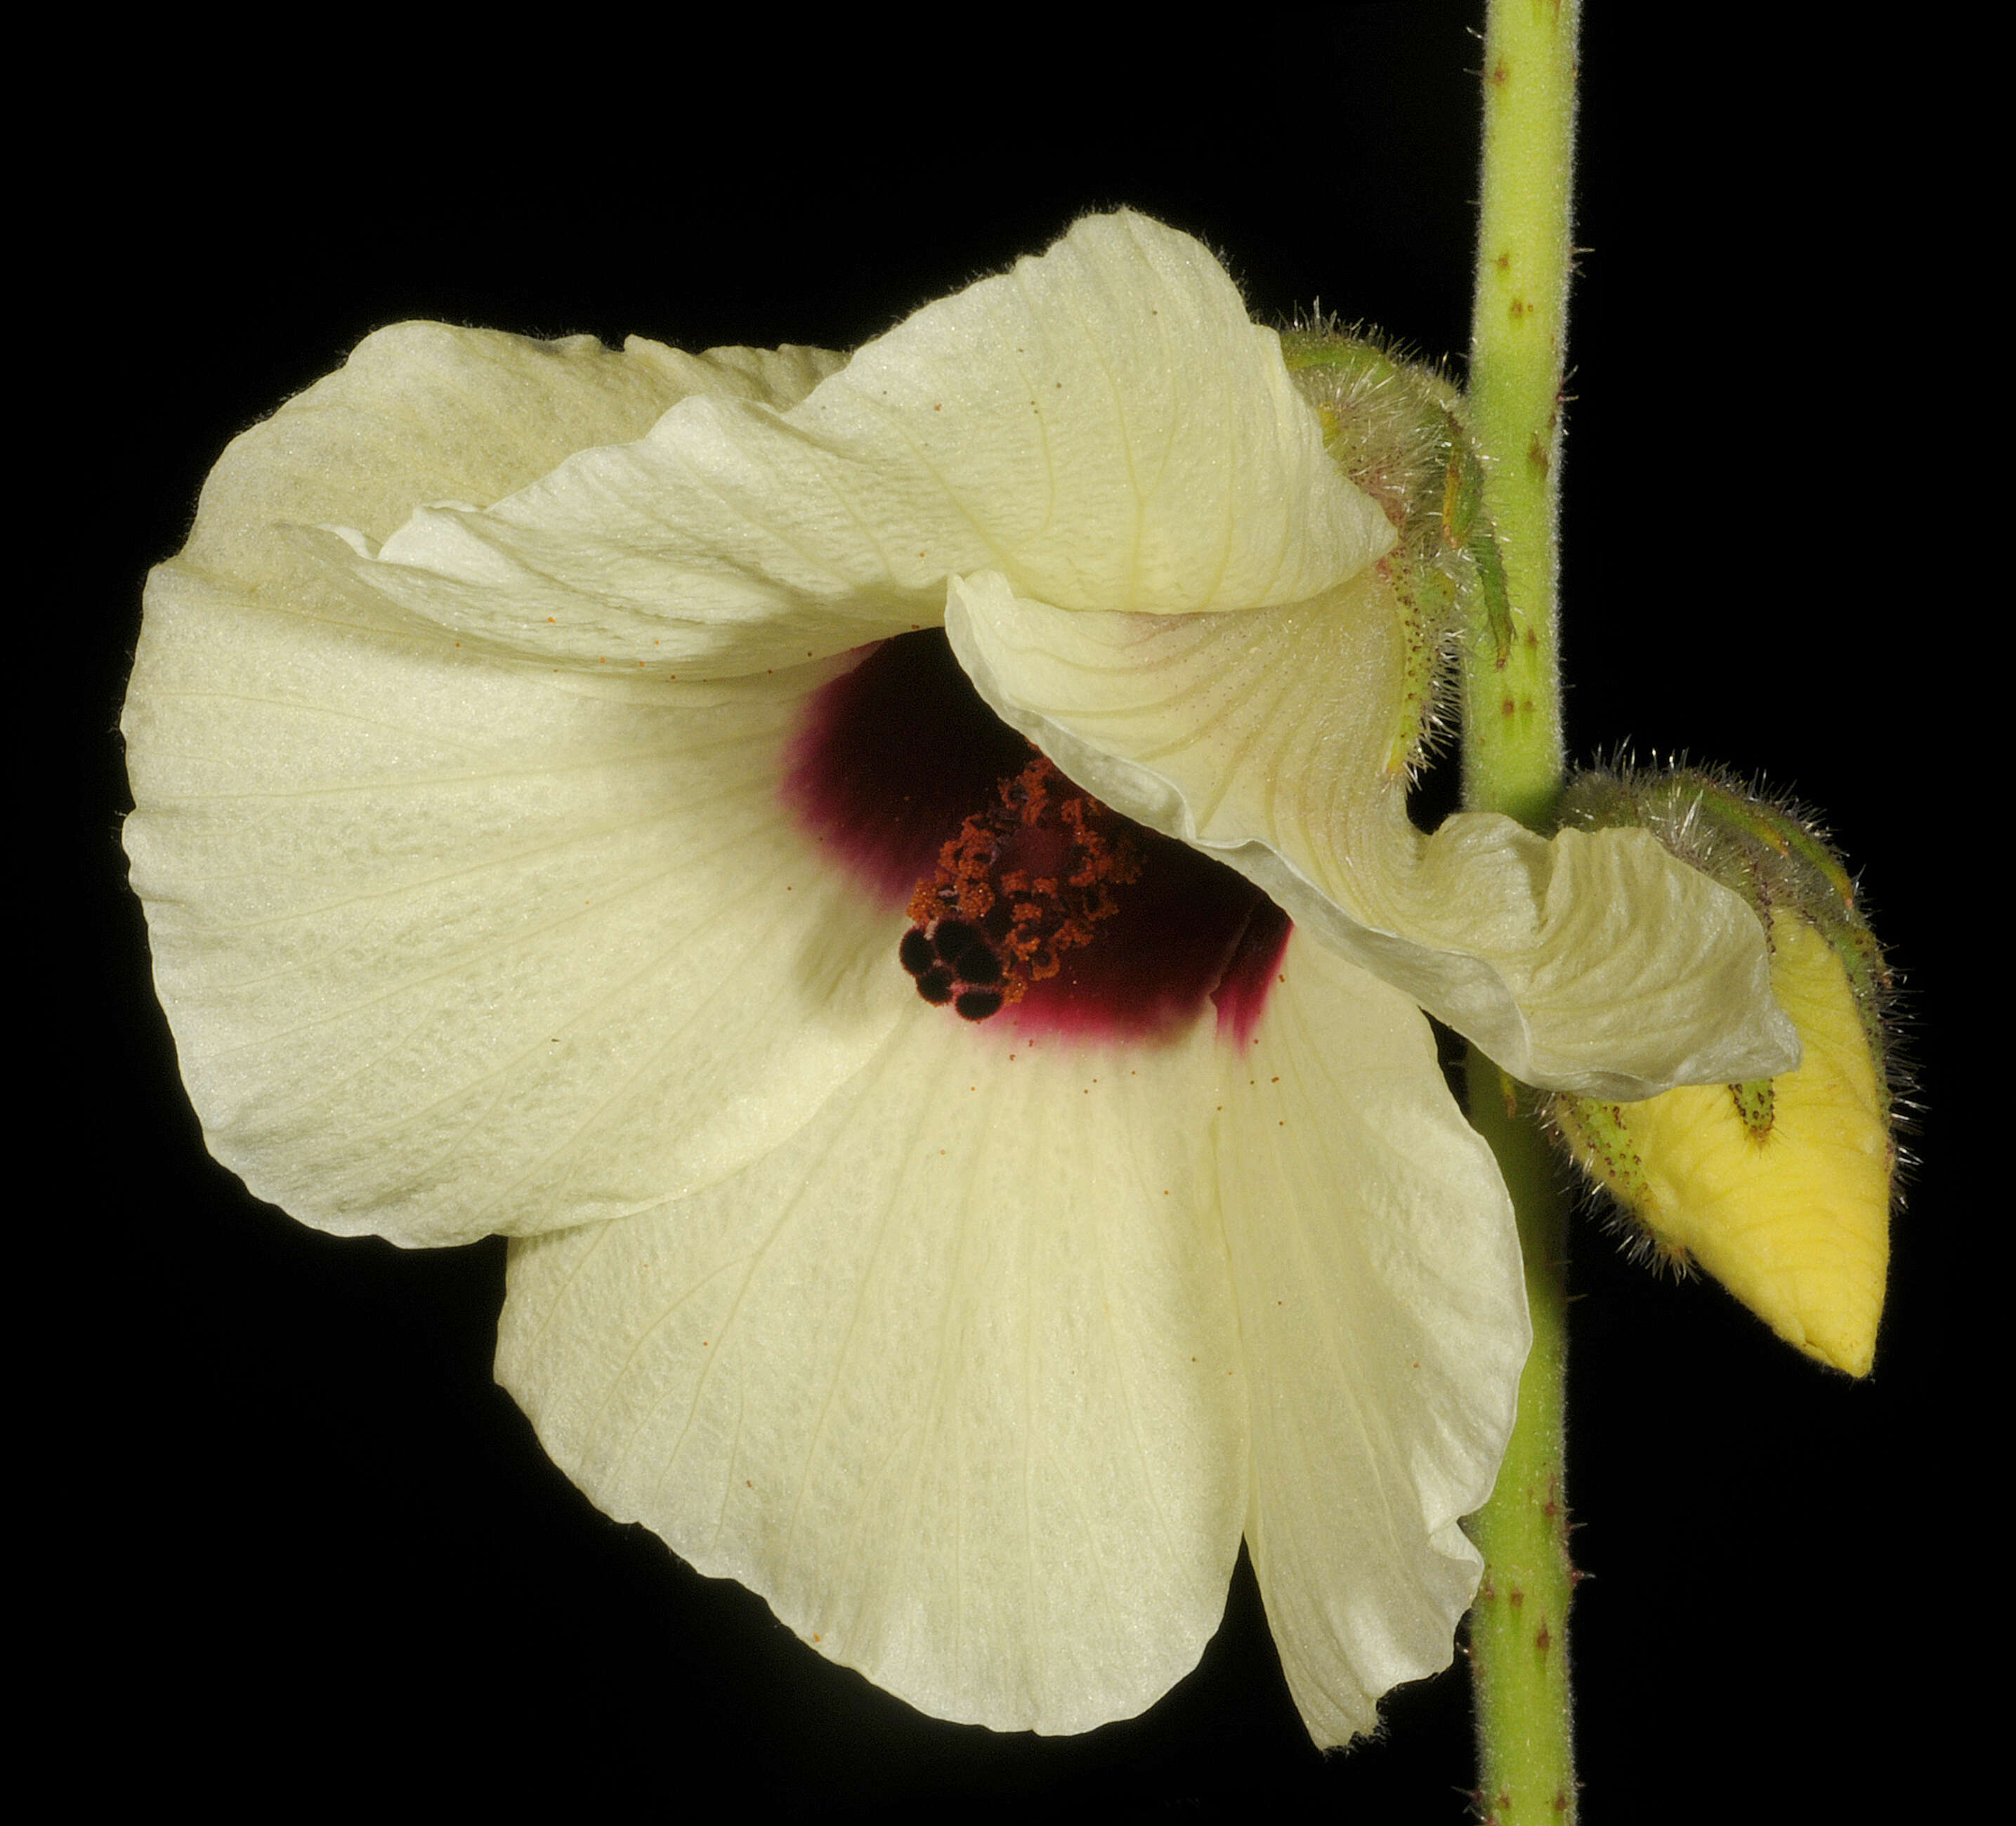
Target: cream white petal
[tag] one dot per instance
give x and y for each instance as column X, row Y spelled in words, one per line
column 1593, row 963
column 452, row 946
column 1383, row 1322
column 426, row 412
column 450, row 950
column 951, row 1377
column 1101, row 424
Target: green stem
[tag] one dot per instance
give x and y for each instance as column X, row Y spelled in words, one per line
column 1518, row 1628
column 1512, row 724
column 1512, row 763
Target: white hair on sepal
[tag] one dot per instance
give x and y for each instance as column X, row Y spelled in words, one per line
column 1394, row 424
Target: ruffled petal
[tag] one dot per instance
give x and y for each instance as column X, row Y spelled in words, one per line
column 1102, row 425
column 1383, row 1321
column 452, row 946
column 426, row 412
column 1266, row 739
column 951, row 1378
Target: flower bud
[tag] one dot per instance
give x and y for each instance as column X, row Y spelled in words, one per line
column 1780, row 1189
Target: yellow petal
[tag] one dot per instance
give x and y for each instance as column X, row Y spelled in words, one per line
column 1790, row 1209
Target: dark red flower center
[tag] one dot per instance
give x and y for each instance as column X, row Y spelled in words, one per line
column 1027, row 898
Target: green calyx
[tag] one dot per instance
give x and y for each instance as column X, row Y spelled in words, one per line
column 1395, row 427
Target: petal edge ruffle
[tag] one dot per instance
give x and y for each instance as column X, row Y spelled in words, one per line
column 1383, row 1320
column 1102, row 423
column 1601, row 965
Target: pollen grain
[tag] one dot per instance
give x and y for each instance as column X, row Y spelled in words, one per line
column 1025, row 881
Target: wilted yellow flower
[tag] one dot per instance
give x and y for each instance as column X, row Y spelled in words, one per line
column 1779, row 1188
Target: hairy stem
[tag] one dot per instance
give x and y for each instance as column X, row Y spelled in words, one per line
column 1512, row 724
column 1518, row 1628
column 1512, row 763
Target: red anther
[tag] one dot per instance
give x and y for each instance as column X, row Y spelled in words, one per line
column 1085, row 853
column 910, row 785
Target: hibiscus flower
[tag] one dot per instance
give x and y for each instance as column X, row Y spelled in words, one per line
column 889, row 880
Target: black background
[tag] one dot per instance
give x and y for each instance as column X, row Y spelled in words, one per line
column 290, row 1520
